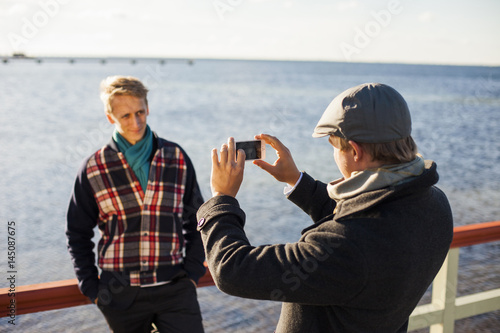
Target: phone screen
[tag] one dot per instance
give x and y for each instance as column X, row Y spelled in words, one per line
column 253, row 149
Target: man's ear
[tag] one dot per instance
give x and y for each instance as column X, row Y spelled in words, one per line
column 357, row 151
column 110, row 118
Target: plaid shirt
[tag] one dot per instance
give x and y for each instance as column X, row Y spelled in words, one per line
column 142, row 232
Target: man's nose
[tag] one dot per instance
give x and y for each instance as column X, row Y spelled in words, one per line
column 137, row 120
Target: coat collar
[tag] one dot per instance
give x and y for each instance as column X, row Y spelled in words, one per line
column 367, row 200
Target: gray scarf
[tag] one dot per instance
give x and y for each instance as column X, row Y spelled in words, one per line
column 374, row 179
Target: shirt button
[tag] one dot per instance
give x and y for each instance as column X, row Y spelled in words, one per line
column 201, row 222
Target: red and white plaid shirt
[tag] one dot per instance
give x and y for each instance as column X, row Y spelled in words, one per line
column 141, row 231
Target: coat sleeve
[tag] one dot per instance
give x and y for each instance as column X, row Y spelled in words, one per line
column 82, row 218
column 322, row 268
column 312, row 197
column 195, row 255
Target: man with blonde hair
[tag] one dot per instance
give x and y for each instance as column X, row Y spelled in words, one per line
column 380, row 233
column 141, row 192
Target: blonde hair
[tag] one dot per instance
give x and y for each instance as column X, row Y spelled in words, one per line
column 395, row 152
column 121, row 86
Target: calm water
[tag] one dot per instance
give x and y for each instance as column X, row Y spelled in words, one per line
column 51, row 118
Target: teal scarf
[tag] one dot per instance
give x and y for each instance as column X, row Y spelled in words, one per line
column 137, row 155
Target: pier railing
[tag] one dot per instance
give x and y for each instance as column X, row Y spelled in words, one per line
column 439, row 315
column 446, row 307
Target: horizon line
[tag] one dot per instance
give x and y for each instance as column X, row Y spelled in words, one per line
column 69, row 58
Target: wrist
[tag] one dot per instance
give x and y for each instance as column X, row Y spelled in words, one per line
column 294, row 179
column 218, row 194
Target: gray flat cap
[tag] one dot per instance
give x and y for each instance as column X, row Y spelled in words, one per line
column 370, row 112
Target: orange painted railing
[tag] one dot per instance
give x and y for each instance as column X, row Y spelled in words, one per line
column 64, row 294
column 55, row 295
column 473, row 234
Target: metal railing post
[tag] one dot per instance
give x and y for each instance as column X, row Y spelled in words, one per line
column 444, row 292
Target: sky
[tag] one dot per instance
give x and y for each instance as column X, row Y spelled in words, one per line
column 395, row 31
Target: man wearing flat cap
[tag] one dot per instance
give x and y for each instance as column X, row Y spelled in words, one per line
column 379, row 234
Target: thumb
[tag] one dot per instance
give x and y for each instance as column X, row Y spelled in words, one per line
column 263, row 165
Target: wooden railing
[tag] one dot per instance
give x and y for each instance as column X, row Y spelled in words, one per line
column 439, row 315
column 55, row 295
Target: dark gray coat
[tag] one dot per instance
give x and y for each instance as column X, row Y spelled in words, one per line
column 362, row 269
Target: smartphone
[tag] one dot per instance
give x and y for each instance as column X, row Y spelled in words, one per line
column 254, row 150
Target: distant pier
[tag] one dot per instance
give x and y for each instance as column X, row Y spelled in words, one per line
column 18, row 57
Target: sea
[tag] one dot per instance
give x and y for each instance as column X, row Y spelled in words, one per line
column 51, row 118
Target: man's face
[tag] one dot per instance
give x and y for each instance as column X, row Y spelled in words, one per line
column 343, row 158
column 128, row 114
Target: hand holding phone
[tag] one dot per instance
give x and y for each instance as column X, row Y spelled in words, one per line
column 284, row 168
column 227, row 172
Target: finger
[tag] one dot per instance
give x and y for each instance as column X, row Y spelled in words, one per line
column 223, row 154
column 240, row 161
column 215, row 158
column 272, row 140
column 241, row 155
column 231, row 149
column 266, row 137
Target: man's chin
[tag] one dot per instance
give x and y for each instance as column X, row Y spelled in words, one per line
column 133, row 138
